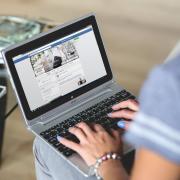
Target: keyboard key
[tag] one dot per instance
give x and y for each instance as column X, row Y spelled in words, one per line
column 95, row 114
column 67, row 153
column 53, row 140
column 57, row 144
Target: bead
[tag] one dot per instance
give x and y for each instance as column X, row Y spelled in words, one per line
column 114, row 156
column 108, row 156
column 99, row 160
column 118, row 157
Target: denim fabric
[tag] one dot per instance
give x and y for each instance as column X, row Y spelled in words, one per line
column 50, row 166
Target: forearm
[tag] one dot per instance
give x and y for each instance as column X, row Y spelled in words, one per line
column 154, row 166
column 113, row 169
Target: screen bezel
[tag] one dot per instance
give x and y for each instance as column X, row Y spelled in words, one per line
column 48, row 38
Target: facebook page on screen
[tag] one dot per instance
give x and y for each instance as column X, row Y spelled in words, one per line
column 60, row 67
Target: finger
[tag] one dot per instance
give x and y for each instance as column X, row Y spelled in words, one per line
column 123, row 124
column 78, row 133
column 98, row 128
column 130, row 103
column 127, row 114
column 70, row 144
column 85, row 128
column 115, row 134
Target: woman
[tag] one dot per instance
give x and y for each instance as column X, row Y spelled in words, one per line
column 155, row 132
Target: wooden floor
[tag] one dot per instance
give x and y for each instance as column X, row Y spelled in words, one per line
column 138, row 35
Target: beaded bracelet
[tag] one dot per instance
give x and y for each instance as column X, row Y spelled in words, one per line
column 103, row 158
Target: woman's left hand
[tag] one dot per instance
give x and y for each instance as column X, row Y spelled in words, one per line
column 95, row 141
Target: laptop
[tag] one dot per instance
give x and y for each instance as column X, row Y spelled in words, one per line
column 63, row 77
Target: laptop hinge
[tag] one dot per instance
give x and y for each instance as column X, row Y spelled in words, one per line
column 75, row 107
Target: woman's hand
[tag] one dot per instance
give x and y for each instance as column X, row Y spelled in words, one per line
column 126, row 110
column 95, row 141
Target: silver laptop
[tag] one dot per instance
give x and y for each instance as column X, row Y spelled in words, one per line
column 63, row 77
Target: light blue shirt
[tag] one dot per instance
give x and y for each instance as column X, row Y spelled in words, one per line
column 157, row 124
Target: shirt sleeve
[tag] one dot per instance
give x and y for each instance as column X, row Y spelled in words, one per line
column 157, row 124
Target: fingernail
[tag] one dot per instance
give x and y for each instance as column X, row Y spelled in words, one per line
column 114, row 106
column 110, row 114
column 121, row 124
column 59, row 138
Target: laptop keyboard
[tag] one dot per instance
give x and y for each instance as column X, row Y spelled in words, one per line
column 95, row 114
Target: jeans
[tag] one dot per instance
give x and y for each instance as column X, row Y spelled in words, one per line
column 50, row 166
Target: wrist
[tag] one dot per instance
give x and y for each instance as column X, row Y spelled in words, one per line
column 111, row 158
column 109, row 166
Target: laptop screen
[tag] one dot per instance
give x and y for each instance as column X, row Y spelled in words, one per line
column 59, row 67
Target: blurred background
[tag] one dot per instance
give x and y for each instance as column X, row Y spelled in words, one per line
column 138, row 35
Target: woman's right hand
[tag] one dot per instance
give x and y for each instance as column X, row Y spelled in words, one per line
column 125, row 110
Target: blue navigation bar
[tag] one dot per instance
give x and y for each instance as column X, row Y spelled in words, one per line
column 57, row 43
